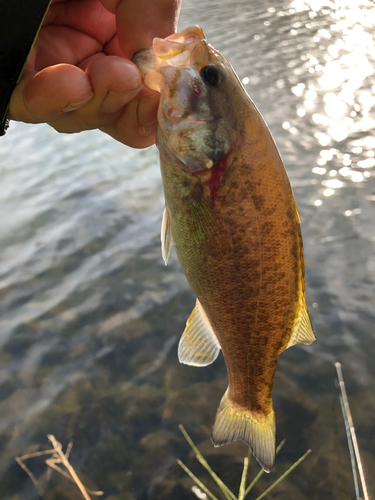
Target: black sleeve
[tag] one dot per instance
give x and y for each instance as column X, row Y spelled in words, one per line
column 20, row 21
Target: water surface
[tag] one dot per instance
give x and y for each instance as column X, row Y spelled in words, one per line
column 90, row 316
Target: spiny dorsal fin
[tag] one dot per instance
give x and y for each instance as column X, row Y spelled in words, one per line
column 296, row 211
column 199, row 345
column 166, row 235
column 303, row 332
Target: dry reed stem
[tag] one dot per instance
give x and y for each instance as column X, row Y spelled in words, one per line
column 348, row 418
column 57, row 457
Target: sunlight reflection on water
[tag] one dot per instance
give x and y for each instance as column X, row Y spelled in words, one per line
column 344, row 66
column 90, row 316
column 341, row 54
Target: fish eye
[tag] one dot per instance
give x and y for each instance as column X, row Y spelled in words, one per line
column 211, row 75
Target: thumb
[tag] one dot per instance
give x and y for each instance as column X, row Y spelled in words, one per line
column 45, row 95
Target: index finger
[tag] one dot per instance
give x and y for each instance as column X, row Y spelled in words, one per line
column 139, row 22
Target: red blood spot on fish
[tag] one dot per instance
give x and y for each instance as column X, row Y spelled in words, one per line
column 216, row 173
column 197, row 90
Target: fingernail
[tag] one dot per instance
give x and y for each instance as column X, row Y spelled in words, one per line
column 147, row 110
column 76, row 105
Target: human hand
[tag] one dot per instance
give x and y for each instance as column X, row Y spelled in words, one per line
column 79, row 75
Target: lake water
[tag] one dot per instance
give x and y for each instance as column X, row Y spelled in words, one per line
column 90, row 316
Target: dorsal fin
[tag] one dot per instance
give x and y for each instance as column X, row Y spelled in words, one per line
column 296, row 211
column 199, row 345
column 303, row 332
column 166, row 235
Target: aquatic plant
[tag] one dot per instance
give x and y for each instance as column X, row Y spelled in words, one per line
column 201, row 491
column 59, row 461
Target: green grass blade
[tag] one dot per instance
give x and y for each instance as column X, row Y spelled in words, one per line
column 261, row 472
column 255, row 480
column 197, row 481
column 224, row 488
column 284, row 475
column 241, row 493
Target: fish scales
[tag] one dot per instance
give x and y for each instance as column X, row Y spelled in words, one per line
column 238, row 272
column 231, row 214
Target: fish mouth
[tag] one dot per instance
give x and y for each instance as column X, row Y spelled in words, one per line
column 175, row 50
column 176, row 114
column 178, row 45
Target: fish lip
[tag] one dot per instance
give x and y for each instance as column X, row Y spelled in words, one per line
column 144, row 59
column 193, row 120
column 179, row 116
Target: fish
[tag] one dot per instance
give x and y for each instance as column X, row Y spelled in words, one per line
column 232, row 217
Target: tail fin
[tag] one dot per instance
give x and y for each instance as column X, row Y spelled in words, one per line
column 234, row 423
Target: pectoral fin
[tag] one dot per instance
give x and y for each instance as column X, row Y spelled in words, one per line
column 303, row 332
column 166, row 235
column 207, row 225
column 199, row 345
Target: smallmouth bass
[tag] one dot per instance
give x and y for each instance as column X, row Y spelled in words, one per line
column 231, row 214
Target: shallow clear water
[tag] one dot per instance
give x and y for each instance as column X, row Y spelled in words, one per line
column 90, row 316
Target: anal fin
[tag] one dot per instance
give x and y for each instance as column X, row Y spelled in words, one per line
column 303, row 332
column 199, row 345
column 166, row 235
